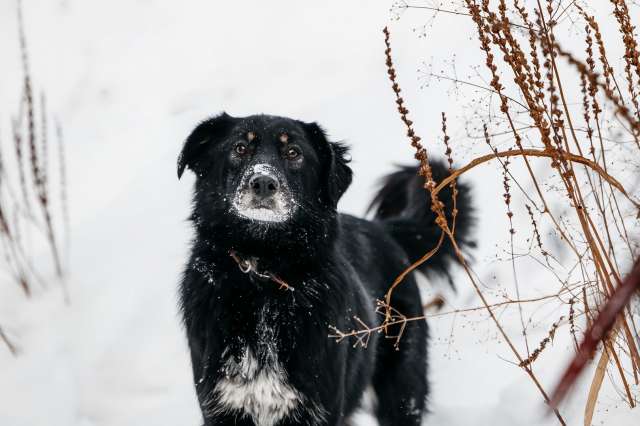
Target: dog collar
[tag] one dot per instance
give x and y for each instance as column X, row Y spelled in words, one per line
column 250, row 266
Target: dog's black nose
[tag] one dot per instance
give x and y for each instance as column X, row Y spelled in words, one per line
column 263, row 186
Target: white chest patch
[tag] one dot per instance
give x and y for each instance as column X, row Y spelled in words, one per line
column 261, row 392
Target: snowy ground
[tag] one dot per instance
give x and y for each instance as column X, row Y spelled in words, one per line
column 128, row 80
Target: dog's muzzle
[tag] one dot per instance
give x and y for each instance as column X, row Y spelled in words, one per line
column 263, row 195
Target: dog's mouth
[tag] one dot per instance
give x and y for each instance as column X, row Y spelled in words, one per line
column 263, row 213
column 263, row 196
column 269, row 204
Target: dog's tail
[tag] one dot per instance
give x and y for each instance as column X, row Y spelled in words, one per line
column 404, row 208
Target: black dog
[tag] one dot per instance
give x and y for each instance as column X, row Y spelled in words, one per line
column 273, row 266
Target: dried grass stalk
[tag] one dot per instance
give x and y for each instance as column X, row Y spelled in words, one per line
column 23, row 227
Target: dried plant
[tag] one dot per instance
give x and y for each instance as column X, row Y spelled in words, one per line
column 586, row 200
column 33, row 206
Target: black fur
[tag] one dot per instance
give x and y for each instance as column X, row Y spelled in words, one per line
column 404, row 207
column 337, row 264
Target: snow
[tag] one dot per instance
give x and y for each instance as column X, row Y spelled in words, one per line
column 244, row 203
column 128, row 81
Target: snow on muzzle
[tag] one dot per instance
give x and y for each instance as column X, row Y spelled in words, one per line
column 263, row 195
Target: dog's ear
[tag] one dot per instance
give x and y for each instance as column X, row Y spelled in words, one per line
column 338, row 172
column 201, row 139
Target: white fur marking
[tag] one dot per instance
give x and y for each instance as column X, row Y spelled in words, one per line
column 262, row 393
column 256, row 386
column 364, row 414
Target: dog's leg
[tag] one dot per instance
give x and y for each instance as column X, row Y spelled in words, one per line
column 335, row 419
column 400, row 381
column 198, row 368
column 229, row 420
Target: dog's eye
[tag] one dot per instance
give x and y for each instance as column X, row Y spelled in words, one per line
column 240, row 148
column 292, row 153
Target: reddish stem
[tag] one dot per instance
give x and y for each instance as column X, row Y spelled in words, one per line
column 597, row 332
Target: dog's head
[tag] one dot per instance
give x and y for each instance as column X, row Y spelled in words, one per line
column 263, row 173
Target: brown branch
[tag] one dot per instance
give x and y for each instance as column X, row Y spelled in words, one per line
column 535, row 153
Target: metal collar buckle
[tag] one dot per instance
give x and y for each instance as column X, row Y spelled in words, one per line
column 251, row 266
